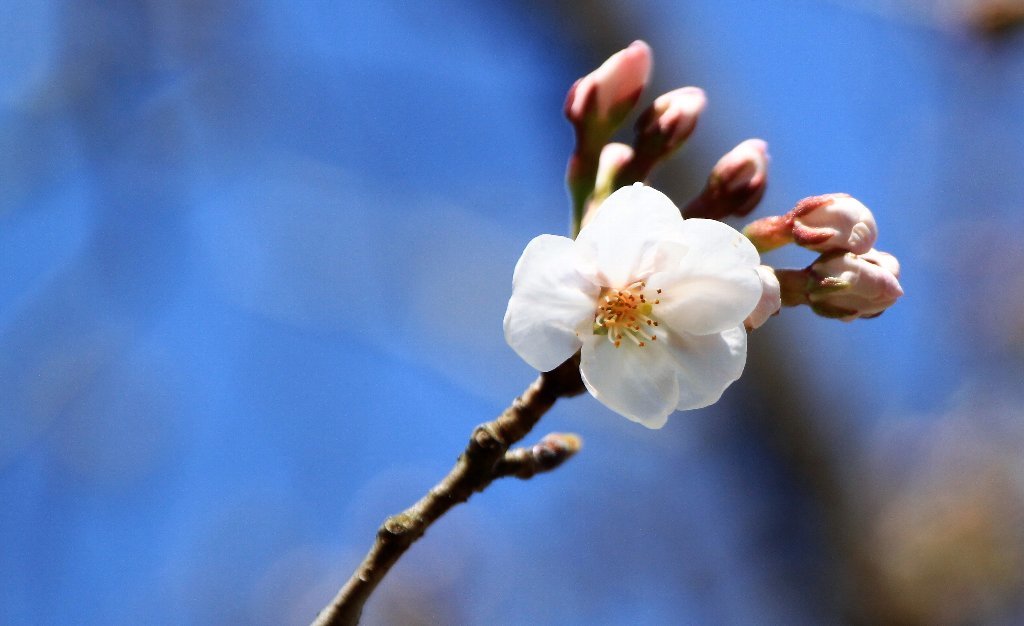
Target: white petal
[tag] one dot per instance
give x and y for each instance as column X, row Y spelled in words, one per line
column 550, row 304
column 705, row 304
column 638, row 383
column 705, row 365
column 620, row 244
column 713, row 286
column 715, row 246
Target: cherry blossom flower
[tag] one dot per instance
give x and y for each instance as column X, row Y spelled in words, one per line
column 656, row 303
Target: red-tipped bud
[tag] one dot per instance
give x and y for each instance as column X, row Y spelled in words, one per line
column 661, row 130
column 736, row 184
column 827, row 223
column 834, row 221
column 669, row 121
column 600, row 101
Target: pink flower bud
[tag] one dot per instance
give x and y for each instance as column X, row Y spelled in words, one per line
column 771, row 299
column 834, row 221
column 607, row 94
column 736, row 184
column 848, row 286
column 669, row 121
column 614, row 157
column 660, row 130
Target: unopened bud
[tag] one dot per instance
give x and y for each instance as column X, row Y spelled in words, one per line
column 770, row 302
column 544, row 456
column 661, row 130
column 614, row 157
column 834, row 221
column 669, row 121
column 604, row 97
column 555, row 449
column 736, row 184
column 848, row 286
column 831, row 222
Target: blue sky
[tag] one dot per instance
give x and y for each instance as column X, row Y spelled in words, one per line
column 255, row 260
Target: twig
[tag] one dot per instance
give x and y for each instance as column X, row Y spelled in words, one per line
column 486, row 458
column 549, row 453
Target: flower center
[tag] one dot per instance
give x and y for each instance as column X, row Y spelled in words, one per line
column 626, row 313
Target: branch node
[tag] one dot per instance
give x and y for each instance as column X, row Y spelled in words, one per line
column 486, row 458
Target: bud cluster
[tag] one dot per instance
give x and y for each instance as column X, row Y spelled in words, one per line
column 598, row 104
column 849, row 280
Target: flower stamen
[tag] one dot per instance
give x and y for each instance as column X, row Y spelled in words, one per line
column 625, row 312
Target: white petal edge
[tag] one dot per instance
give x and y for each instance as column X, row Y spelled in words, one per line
column 706, row 364
column 620, row 243
column 705, row 304
column 713, row 286
column 714, row 246
column 551, row 304
column 638, row 383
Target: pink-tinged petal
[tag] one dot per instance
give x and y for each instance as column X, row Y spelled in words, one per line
column 620, row 245
column 771, row 299
column 705, row 365
column 638, row 383
column 712, row 287
column 551, row 304
column 884, row 260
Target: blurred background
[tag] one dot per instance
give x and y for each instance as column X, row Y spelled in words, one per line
column 254, row 259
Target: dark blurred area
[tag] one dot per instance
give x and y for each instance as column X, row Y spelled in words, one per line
column 255, row 259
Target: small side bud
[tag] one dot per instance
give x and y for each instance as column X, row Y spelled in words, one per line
column 555, row 449
column 544, row 456
column 601, row 100
column 736, row 184
column 614, row 157
column 827, row 223
column 770, row 302
column 847, row 286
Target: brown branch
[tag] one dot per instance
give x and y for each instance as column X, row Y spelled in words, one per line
column 483, row 461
